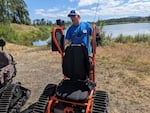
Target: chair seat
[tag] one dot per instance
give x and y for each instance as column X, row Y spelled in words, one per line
column 73, row 90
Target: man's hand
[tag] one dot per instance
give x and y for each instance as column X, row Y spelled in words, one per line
column 67, row 43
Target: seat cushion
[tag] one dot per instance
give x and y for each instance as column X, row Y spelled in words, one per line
column 73, row 90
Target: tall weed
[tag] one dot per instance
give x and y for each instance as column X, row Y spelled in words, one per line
column 133, row 39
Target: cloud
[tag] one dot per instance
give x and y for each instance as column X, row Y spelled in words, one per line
column 39, row 11
column 133, row 1
column 117, row 8
column 51, row 13
column 127, row 8
column 87, row 2
column 52, row 9
column 72, row 0
column 104, row 9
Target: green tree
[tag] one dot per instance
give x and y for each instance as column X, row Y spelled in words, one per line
column 15, row 11
column 2, row 11
column 18, row 11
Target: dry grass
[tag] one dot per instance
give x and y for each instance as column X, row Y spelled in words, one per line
column 122, row 70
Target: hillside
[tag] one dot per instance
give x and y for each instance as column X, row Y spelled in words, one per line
column 20, row 29
column 24, row 34
column 123, row 70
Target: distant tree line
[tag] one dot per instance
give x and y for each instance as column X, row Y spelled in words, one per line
column 14, row 11
column 100, row 23
column 126, row 20
column 42, row 22
column 48, row 22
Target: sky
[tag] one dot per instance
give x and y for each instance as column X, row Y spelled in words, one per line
column 90, row 10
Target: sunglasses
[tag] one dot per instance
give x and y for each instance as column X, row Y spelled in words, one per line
column 72, row 15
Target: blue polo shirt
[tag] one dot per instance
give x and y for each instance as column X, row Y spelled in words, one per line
column 80, row 34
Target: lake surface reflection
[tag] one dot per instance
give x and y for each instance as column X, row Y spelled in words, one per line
column 127, row 29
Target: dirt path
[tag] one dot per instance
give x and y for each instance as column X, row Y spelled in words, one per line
column 122, row 71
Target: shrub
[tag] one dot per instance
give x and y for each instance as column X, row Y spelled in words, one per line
column 124, row 39
column 133, row 39
column 105, row 39
column 142, row 38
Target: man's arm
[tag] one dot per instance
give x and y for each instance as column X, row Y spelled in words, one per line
column 67, row 41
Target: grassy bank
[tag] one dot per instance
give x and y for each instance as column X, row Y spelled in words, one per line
column 23, row 34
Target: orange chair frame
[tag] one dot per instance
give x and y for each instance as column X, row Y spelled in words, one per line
column 54, row 99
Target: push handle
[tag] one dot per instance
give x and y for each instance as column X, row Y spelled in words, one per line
column 94, row 39
column 93, row 51
column 2, row 44
column 58, row 39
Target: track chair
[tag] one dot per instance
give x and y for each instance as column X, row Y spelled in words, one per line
column 76, row 93
column 12, row 95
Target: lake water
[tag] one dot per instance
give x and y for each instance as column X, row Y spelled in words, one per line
column 127, row 29
column 115, row 30
column 41, row 42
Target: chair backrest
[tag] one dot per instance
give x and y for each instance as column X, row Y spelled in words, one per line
column 76, row 65
column 2, row 43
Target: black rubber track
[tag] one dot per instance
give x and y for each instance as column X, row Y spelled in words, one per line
column 101, row 101
column 4, row 87
column 41, row 105
column 13, row 98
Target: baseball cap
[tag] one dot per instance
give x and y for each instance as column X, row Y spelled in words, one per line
column 73, row 13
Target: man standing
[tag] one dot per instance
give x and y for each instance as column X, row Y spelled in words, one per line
column 78, row 32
